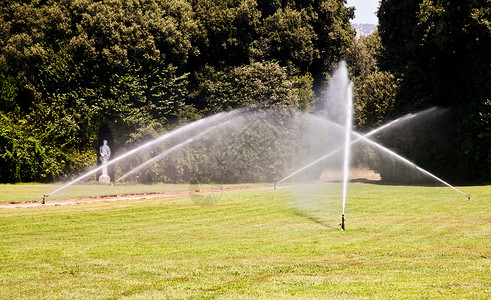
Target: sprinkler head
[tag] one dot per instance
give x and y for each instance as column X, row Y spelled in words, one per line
column 342, row 222
column 44, row 199
column 275, row 186
column 468, row 197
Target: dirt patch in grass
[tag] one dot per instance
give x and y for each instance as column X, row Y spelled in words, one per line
column 129, row 196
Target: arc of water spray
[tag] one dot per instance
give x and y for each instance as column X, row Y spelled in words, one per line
column 172, row 149
column 382, row 148
column 162, row 138
column 388, row 151
column 383, row 127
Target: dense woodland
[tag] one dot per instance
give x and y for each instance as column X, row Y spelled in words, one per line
column 74, row 72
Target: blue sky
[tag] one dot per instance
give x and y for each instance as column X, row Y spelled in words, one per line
column 365, row 11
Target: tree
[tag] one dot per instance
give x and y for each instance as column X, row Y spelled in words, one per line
column 331, row 23
column 287, row 37
column 251, row 84
column 439, row 52
column 76, row 66
column 132, row 68
column 375, row 90
column 227, row 28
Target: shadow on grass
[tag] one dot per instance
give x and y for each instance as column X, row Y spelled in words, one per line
column 319, row 221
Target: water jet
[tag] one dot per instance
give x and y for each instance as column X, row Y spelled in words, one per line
column 237, row 149
column 212, row 120
column 366, row 140
column 358, row 139
column 343, row 89
column 175, row 148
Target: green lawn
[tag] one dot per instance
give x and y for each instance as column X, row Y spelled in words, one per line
column 400, row 242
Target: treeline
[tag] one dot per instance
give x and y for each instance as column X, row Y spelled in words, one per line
column 75, row 72
column 439, row 54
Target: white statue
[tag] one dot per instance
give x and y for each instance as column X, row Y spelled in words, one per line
column 105, row 153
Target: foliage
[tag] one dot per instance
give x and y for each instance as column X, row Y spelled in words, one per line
column 363, row 54
column 286, row 36
column 80, row 65
column 375, row 95
column 439, row 50
column 27, row 156
column 75, row 72
column 430, row 141
column 334, row 34
column 226, row 30
column 8, row 93
column 254, row 145
column 254, row 83
column 375, row 90
column 129, row 69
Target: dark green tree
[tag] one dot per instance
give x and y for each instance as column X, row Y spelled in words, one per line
column 250, row 84
column 439, row 50
column 287, row 37
column 78, row 65
column 226, row 30
column 73, row 70
column 375, row 90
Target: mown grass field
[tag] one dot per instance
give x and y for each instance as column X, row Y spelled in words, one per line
column 401, row 243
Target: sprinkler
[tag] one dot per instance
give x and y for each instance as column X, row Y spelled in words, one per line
column 44, row 199
column 342, row 222
column 468, row 197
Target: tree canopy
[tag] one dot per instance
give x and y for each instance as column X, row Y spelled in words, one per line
column 439, row 52
column 75, row 72
column 72, row 70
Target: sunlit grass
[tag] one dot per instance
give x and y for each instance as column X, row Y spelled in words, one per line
column 401, row 242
